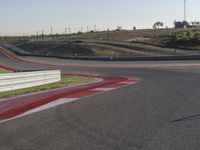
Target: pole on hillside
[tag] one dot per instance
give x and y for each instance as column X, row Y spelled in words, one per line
column 185, row 17
column 108, row 34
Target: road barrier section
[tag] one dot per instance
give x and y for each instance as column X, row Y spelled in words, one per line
column 15, row 81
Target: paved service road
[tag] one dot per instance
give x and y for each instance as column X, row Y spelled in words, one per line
column 160, row 113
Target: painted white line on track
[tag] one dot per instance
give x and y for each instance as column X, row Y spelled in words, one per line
column 103, row 89
column 53, row 104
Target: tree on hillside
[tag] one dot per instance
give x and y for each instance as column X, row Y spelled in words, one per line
column 195, row 24
column 119, row 28
column 158, row 24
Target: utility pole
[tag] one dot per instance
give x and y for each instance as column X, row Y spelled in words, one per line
column 65, row 31
column 185, row 17
column 94, row 28
column 51, row 31
column 69, row 33
column 108, row 34
column 42, row 33
column 36, row 34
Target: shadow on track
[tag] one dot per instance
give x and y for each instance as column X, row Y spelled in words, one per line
column 188, row 118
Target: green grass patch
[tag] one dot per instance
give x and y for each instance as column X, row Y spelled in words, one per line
column 3, row 71
column 65, row 81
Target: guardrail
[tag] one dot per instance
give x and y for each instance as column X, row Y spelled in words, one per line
column 15, row 81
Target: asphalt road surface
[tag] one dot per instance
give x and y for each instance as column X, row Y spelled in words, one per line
column 160, row 113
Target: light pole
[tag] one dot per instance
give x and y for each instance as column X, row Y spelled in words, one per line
column 185, row 19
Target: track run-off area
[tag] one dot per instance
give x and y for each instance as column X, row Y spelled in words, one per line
column 132, row 106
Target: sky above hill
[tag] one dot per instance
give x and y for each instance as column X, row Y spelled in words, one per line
column 20, row 17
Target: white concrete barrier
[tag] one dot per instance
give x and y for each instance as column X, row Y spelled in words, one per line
column 15, row 81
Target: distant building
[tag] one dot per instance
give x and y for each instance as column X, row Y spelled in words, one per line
column 181, row 24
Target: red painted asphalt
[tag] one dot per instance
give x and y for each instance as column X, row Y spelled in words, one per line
column 7, row 68
column 17, row 106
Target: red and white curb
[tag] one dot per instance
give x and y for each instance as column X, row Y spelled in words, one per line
column 23, row 106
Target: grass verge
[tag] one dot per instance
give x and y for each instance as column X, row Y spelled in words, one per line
column 3, row 71
column 65, row 81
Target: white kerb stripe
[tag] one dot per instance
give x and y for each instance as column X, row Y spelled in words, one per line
column 44, row 107
column 103, row 89
column 53, row 104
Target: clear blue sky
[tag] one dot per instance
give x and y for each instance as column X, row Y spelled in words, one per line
column 29, row 16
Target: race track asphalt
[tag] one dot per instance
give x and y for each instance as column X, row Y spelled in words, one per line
column 160, row 113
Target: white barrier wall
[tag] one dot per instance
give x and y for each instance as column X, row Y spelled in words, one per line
column 15, row 81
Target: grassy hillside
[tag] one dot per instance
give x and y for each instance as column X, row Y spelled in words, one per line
column 74, row 49
column 56, row 48
column 188, row 39
column 175, row 38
